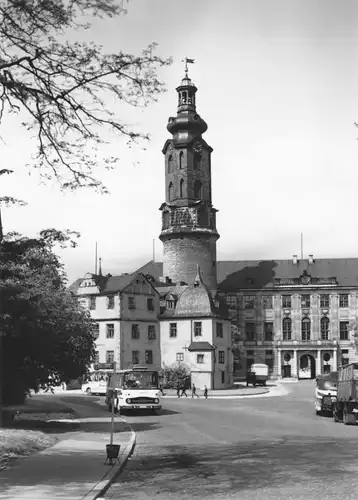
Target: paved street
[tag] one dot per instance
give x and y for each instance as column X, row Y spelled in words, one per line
column 243, row 448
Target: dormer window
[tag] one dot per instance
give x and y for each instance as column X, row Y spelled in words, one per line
column 170, row 304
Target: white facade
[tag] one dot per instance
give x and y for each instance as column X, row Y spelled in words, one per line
column 210, row 367
column 126, row 310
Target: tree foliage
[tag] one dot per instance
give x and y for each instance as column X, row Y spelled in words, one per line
column 47, row 337
column 237, row 341
column 70, row 91
column 171, row 375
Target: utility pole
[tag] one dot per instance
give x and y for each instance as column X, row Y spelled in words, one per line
column 1, row 344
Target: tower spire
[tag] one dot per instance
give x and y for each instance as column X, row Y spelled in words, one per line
column 187, row 61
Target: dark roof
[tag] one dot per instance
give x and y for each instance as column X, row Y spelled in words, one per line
column 107, row 284
column 258, row 274
column 196, row 301
column 200, row 346
column 152, row 268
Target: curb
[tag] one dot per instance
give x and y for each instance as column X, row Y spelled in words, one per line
column 102, row 486
column 233, row 396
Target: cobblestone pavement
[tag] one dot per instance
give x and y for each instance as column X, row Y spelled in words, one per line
column 249, row 449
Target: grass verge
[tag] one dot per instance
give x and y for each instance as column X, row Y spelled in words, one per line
column 18, row 442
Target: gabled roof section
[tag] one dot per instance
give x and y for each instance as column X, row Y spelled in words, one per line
column 151, row 268
column 260, row 274
column 196, row 301
column 110, row 284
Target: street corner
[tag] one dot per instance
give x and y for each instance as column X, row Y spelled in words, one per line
column 127, row 450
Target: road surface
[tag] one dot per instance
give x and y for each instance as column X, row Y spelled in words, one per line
column 241, row 449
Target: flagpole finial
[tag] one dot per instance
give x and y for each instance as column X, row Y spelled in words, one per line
column 186, row 61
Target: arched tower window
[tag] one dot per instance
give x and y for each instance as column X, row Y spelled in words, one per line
column 197, row 161
column 306, row 329
column 184, row 97
column 170, row 164
column 165, row 221
column 181, row 186
column 197, row 189
column 181, row 160
column 171, row 192
column 287, row 328
column 324, row 328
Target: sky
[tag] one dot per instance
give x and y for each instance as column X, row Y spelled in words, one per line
column 278, row 87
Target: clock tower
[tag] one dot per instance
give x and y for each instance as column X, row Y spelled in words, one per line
column 189, row 232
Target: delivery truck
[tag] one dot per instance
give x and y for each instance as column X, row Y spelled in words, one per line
column 345, row 408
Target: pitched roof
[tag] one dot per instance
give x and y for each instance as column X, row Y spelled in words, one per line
column 257, row 274
column 200, row 346
column 107, row 284
column 196, row 301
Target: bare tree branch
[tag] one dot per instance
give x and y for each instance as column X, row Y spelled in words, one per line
column 64, row 87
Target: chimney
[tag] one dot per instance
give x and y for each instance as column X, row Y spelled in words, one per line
column 310, row 259
column 294, row 259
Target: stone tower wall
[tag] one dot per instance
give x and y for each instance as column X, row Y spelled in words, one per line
column 183, row 255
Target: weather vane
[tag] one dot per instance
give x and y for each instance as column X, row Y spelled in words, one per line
column 187, row 61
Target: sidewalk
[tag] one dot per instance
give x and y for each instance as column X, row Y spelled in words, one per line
column 74, row 468
column 225, row 393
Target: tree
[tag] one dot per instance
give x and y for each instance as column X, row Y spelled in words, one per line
column 62, row 87
column 47, row 337
column 171, row 375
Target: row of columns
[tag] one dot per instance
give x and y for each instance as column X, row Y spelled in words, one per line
column 295, row 365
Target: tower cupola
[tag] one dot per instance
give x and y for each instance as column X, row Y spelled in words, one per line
column 187, row 120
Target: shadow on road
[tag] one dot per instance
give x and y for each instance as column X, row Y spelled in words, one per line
column 244, row 466
column 144, row 426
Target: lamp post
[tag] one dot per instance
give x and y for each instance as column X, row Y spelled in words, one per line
column 214, row 364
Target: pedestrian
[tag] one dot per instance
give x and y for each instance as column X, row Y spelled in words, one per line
column 183, row 391
column 178, row 389
column 161, row 390
column 193, row 391
column 206, row 392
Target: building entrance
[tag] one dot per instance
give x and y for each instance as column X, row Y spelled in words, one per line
column 307, row 367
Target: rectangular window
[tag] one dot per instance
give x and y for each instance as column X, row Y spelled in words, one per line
column 180, row 356
column 172, row 329
column 250, row 333
column 96, row 358
column 305, row 301
column 110, row 331
column 110, row 302
column 135, row 357
column 223, row 377
column 269, row 359
column 197, row 329
column 286, row 328
column 92, row 303
column 306, row 330
column 221, row 357
column 109, row 356
column 96, row 331
column 286, row 301
column 200, row 358
column 249, row 301
column 267, row 301
column 324, row 301
column 345, row 357
column 343, row 300
column 231, row 301
column 219, row 330
column 131, row 303
column 151, row 332
column 150, row 304
column 324, row 328
column 149, row 357
column 135, row 331
column 343, row 330
column 268, row 331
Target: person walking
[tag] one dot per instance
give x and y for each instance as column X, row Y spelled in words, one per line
column 206, row 392
column 193, row 391
column 183, row 390
column 161, row 390
column 178, row 389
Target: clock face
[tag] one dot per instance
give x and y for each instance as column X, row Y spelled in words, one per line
column 198, row 147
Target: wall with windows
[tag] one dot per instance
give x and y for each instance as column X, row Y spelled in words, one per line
column 140, row 344
column 177, row 334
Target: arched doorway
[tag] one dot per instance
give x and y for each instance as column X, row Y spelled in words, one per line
column 307, row 367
